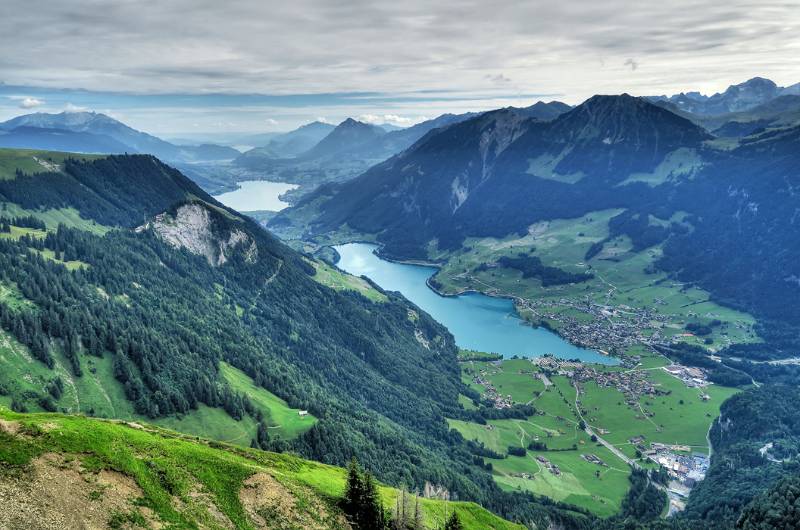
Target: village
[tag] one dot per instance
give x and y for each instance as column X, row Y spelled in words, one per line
column 639, row 385
column 491, row 394
column 610, row 327
column 631, row 383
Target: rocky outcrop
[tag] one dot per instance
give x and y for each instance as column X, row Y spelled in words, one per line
column 194, row 228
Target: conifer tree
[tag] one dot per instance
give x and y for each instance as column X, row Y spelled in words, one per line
column 454, row 523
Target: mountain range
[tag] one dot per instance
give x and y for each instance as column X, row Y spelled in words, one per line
column 736, row 98
column 352, row 147
column 498, row 173
column 129, row 295
column 92, row 132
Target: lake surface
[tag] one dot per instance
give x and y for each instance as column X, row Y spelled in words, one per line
column 256, row 195
column 478, row 322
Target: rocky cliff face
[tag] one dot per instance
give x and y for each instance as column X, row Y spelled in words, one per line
column 192, row 227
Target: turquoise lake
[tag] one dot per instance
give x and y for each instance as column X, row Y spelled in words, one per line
column 478, row 322
column 256, row 195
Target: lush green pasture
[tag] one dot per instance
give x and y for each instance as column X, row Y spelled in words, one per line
column 514, row 377
column 33, row 161
column 340, row 281
column 171, row 469
column 53, row 217
column 70, row 264
column 17, row 232
column 98, row 393
column 283, row 421
column 466, row 402
column 623, row 277
column 680, row 417
column 10, row 295
column 591, row 486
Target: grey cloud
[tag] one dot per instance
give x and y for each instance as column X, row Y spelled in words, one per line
column 633, row 64
column 309, row 46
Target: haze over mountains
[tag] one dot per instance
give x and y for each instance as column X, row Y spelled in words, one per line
column 98, row 133
column 736, row 98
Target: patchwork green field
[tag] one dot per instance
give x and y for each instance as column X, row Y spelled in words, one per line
column 625, row 288
column 675, row 415
column 599, row 488
column 680, row 418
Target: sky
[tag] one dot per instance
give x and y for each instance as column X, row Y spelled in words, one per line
column 184, row 67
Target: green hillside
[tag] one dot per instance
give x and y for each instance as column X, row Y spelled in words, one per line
column 152, row 302
column 111, row 474
column 33, row 161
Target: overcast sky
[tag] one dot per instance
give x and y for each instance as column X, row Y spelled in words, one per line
column 399, row 61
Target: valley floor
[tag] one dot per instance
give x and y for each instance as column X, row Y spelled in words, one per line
column 645, row 412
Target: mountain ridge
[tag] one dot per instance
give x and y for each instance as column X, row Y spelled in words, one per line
column 112, row 136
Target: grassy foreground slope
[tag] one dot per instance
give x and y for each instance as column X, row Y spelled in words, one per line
column 71, row 469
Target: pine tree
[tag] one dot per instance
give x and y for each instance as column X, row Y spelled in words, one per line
column 372, row 508
column 419, row 521
column 355, row 491
column 262, row 436
column 362, row 502
column 454, row 523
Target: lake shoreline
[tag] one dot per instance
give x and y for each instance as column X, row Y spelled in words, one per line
column 516, row 303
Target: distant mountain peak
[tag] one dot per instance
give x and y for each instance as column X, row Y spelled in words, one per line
column 618, row 107
column 352, row 123
column 736, row 98
column 759, row 81
column 95, row 132
column 349, row 134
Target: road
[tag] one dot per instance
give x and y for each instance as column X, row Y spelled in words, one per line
column 608, row 445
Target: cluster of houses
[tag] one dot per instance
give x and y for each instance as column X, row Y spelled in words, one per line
column 594, row 459
column 498, row 400
column 632, row 384
column 620, row 326
column 551, row 467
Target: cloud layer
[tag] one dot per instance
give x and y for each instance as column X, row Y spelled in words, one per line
column 467, row 50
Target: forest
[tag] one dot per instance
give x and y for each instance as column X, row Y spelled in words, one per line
column 167, row 318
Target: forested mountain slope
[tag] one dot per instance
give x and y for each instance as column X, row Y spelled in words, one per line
column 496, row 175
column 159, row 303
column 698, row 211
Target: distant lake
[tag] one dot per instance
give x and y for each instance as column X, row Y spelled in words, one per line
column 478, row 322
column 256, row 195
